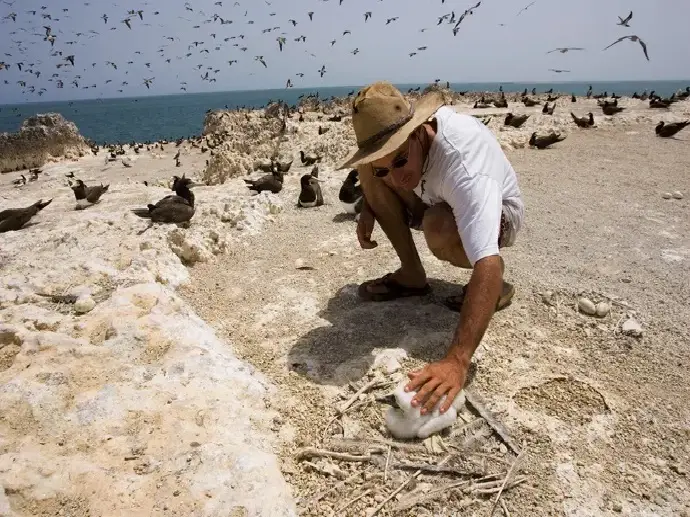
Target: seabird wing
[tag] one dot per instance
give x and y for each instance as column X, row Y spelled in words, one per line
column 644, row 48
column 617, row 41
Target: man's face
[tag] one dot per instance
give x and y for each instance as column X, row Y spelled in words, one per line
column 402, row 168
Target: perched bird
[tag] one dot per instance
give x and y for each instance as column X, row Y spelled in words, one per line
column 283, row 166
column 323, row 130
column 548, row 111
column 573, row 98
column 502, row 102
column 309, row 159
column 583, row 121
column 351, row 195
column 632, row 38
column 515, row 121
column 177, row 208
column 310, row 194
column 15, row 218
column 529, row 102
column 624, row 21
column 88, row 195
column 667, row 130
column 20, row 181
column 611, row 108
column 542, row 142
column 481, row 105
column 272, row 182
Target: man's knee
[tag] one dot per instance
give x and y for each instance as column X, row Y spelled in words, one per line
column 439, row 226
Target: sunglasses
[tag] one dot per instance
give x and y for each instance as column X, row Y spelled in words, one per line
column 398, row 163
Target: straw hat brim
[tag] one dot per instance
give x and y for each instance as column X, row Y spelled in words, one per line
column 424, row 108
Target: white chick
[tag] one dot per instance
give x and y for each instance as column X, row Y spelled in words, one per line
column 405, row 421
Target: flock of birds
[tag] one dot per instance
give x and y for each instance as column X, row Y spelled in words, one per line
column 43, row 49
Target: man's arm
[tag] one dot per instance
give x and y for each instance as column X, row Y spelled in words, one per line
column 447, row 377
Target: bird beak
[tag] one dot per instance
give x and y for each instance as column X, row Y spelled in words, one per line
column 195, row 184
column 389, row 400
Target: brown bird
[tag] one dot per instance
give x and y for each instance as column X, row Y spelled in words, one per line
column 548, row 111
column 611, row 108
column 542, row 142
column 667, row 130
column 272, row 182
column 632, row 38
column 529, row 102
column 310, row 194
column 15, row 218
column 175, row 208
column 583, row 121
column 515, row 121
column 88, row 195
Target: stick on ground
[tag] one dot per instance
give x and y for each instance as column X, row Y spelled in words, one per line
column 477, row 403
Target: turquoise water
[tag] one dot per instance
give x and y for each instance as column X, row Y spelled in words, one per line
column 174, row 116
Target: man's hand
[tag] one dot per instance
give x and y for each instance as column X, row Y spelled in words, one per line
column 445, row 377
column 365, row 227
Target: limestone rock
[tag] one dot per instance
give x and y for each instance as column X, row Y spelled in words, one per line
column 41, row 138
column 631, row 327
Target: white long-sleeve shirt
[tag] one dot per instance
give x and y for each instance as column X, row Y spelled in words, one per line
column 468, row 170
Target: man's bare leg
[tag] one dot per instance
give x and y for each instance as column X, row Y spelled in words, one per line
column 390, row 208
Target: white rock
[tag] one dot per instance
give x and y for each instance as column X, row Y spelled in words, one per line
column 631, row 327
column 602, row 309
column 667, row 195
column 586, row 306
column 678, row 194
column 84, row 304
column 299, row 263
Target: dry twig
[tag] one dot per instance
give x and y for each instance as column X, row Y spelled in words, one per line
column 310, row 452
column 477, row 403
column 352, row 501
column 505, row 482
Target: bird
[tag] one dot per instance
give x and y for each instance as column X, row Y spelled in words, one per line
column 610, row 108
column 525, row 8
column 272, row 182
column 126, row 22
column 311, row 15
column 632, row 38
column 558, row 71
column 283, row 166
column 583, row 121
column 548, row 111
column 309, row 159
column 260, row 59
column 573, row 98
column 529, row 102
column 322, row 70
column 351, row 195
column 624, row 21
column 668, row 130
column 563, row 50
column 481, row 105
column 88, row 195
column 177, row 208
column 323, row 130
column 148, row 82
column 367, row 15
column 281, row 41
column 14, row 219
column 542, row 142
column 515, row 121
column 310, row 194
column 20, row 181
column 390, row 20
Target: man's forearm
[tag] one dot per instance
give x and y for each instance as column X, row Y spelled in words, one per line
column 482, row 292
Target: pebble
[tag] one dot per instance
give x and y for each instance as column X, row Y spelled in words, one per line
column 84, row 304
column 677, row 195
column 586, row 306
column 602, row 309
column 666, row 195
column 632, row 327
column 617, row 507
column 299, row 263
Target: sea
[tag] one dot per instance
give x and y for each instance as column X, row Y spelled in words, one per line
column 169, row 117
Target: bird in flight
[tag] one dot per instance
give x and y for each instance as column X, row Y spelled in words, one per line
column 311, row 15
column 563, row 50
column 624, row 21
column 322, row 70
column 557, row 70
column 281, row 42
column 288, row 84
column 260, row 59
column 126, row 22
column 525, row 8
column 148, row 82
column 367, row 15
column 390, row 20
column 632, row 38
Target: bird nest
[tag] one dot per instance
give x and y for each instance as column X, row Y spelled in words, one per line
column 356, row 468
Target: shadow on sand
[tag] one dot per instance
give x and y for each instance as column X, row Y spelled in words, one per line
column 342, row 351
column 343, row 218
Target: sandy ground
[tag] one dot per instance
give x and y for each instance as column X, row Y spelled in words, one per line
column 601, row 417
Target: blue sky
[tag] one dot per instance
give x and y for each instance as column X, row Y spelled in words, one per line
column 483, row 50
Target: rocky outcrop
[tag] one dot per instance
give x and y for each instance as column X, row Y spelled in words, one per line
column 248, row 137
column 42, row 138
column 115, row 397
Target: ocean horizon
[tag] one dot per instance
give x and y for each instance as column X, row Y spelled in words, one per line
column 172, row 116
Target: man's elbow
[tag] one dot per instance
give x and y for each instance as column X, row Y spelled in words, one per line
column 490, row 267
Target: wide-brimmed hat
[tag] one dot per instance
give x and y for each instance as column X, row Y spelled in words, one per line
column 383, row 119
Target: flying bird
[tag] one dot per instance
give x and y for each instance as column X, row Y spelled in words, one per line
column 148, row 82
column 525, row 8
column 260, row 59
column 557, row 70
column 311, row 15
column 624, row 21
column 126, row 22
column 632, row 38
column 281, row 42
column 563, row 50
column 367, row 15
